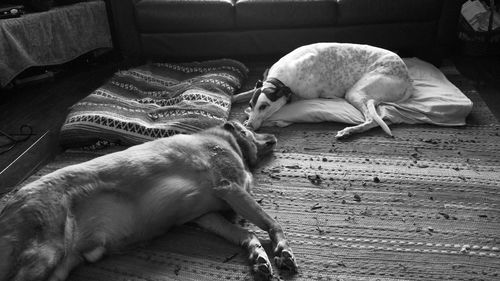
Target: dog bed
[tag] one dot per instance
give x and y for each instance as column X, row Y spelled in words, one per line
column 435, row 101
column 155, row 100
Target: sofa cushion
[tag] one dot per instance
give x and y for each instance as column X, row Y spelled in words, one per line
column 387, row 11
column 158, row 16
column 268, row 14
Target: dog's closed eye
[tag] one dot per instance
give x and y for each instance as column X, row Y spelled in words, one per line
column 263, row 106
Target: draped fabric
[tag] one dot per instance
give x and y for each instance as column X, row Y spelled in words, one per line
column 53, row 37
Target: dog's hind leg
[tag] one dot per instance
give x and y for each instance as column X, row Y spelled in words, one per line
column 245, row 205
column 36, row 262
column 371, row 116
column 31, row 237
column 367, row 125
column 369, row 91
column 217, row 224
column 65, row 266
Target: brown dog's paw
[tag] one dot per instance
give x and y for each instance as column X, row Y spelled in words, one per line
column 284, row 258
column 262, row 268
column 286, row 261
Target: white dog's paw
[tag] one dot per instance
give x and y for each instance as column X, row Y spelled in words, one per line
column 343, row 133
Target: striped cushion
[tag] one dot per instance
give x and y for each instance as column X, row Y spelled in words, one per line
column 153, row 101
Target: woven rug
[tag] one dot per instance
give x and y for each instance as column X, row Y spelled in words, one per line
column 423, row 205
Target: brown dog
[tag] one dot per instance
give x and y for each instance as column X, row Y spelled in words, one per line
column 80, row 212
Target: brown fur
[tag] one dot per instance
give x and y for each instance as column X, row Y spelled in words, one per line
column 82, row 211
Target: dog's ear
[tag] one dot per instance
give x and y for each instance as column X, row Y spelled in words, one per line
column 264, row 76
column 275, row 94
column 229, row 126
column 255, row 95
column 258, row 84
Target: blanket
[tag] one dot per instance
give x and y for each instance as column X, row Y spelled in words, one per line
column 52, row 37
column 435, row 101
column 153, row 101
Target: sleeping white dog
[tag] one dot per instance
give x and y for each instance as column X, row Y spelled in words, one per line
column 364, row 75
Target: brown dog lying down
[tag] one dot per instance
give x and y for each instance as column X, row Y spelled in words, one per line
column 80, row 212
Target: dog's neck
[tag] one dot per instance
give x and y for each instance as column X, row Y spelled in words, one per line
column 281, row 89
column 245, row 152
column 275, row 82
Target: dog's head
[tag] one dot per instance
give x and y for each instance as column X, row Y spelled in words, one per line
column 268, row 97
column 253, row 146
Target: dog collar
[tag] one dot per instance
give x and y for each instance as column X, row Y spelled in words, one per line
column 276, row 82
column 281, row 90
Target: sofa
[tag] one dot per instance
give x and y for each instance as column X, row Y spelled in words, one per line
column 196, row 29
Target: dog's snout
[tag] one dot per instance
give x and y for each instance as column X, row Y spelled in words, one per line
column 248, row 125
column 271, row 142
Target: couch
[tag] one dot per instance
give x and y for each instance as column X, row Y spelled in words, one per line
column 188, row 29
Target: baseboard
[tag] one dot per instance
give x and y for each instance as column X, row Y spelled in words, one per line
column 26, row 163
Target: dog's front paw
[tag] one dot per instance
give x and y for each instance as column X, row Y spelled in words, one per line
column 283, row 257
column 262, row 267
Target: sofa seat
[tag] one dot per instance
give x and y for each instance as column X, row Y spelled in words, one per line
column 157, row 16
column 269, row 14
column 208, row 29
column 356, row 12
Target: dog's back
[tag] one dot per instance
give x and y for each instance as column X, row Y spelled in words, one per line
column 329, row 69
column 105, row 203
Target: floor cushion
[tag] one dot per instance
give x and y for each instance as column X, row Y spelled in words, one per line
column 435, row 101
column 155, row 100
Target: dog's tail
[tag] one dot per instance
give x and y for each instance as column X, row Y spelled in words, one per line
column 370, row 104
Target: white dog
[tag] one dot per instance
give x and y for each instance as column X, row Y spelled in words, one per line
column 83, row 211
column 364, row 75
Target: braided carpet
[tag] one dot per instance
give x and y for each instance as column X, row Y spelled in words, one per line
column 421, row 206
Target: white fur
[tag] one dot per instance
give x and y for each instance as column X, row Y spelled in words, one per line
column 364, row 75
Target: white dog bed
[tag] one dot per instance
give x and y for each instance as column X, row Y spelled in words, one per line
column 436, row 101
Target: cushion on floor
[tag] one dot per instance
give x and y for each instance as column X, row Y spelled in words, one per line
column 155, row 100
column 435, row 101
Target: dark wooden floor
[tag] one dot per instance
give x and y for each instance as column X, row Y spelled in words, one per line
column 43, row 107
column 485, row 72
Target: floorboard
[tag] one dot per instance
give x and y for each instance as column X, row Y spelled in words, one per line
column 43, row 108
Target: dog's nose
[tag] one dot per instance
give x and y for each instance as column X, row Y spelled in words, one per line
column 270, row 142
column 248, row 125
